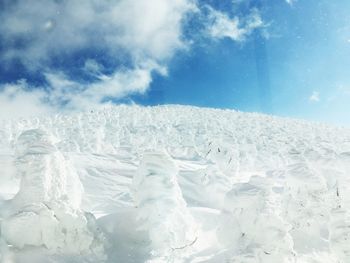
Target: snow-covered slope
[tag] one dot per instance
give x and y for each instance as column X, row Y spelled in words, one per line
column 173, row 184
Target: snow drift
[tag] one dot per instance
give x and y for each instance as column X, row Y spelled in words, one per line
column 173, row 184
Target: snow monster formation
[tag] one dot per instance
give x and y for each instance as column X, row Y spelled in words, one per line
column 306, row 207
column 162, row 211
column 45, row 211
column 250, row 230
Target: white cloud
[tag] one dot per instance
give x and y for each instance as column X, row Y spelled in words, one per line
column 149, row 29
column 315, row 96
column 16, row 101
column 146, row 33
column 220, row 25
column 117, row 86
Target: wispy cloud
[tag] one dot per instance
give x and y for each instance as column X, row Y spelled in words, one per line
column 291, row 2
column 315, row 96
column 17, row 101
column 341, row 92
column 220, row 25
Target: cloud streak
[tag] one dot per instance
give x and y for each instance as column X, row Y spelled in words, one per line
column 220, row 25
column 315, row 96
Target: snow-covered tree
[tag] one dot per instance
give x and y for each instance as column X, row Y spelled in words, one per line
column 46, row 210
column 249, row 229
column 162, row 211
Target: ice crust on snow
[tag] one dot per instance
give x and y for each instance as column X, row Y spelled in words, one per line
column 175, row 184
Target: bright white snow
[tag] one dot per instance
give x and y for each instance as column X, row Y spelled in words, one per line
column 173, row 184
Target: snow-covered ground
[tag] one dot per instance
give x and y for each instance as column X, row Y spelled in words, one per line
column 173, row 184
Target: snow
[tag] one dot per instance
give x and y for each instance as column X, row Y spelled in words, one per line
column 44, row 171
column 162, row 211
column 173, row 184
column 45, row 211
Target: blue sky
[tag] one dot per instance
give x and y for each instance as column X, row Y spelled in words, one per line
column 288, row 58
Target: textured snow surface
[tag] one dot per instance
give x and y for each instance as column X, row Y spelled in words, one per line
column 173, row 184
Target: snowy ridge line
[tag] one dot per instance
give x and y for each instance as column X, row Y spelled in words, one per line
column 91, row 131
column 175, row 184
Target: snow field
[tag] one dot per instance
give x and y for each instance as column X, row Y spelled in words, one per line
column 174, row 184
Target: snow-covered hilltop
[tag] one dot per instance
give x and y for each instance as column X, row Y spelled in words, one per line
column 173, row 184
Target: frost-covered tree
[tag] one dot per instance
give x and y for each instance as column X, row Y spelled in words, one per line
column 162, row 211
column 306, row 206
column 45, row 174
column 250, row 229
column 46, row 210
